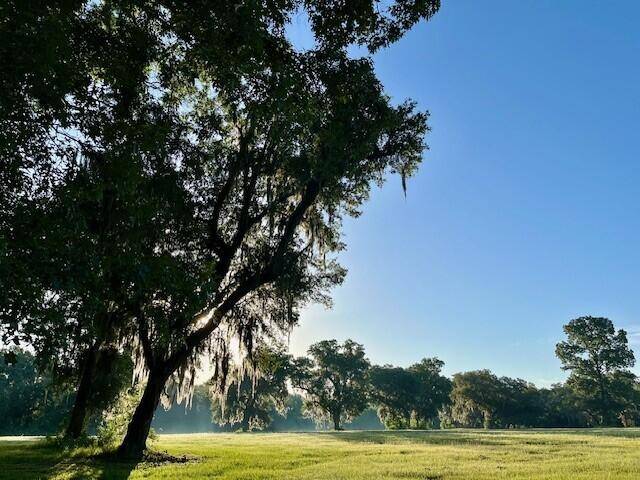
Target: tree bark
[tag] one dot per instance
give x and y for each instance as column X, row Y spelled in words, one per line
column 244, row 425
column 604, row 413
column 487, row 421
column 336, row 421
column 80, row 411
column 246, row 417
column 135, row 440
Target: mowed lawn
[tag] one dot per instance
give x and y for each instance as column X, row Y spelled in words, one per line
column 443, row 455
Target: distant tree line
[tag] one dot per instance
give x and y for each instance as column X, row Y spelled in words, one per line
column 30, row 402
column 335, row 386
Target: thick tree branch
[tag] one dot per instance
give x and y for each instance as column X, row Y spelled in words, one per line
column 215, row 240
column 253, row 282
column 143, row 333
column 309, row 196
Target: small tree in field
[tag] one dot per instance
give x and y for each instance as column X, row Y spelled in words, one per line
column 335, row 381
column 599, row 359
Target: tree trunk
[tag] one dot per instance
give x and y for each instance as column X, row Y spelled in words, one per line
column 80, row 411
column 604, row 411
column 244, row 425
column 336, row 421
column 487, row 420
column 246, row 418
column 135, row 441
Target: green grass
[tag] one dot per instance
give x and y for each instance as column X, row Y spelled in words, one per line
column 443, row 455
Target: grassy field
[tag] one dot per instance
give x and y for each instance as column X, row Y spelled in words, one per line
column 437, row 455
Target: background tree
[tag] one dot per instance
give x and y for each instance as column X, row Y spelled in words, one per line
column 480, row 398
column 598, row 358
column 334, row 381
column 30, row 403
column 432, row 393
column 393, row 390
column 254, row 393
column 411, row 397
column 476, row 398
column 521, row 404
column 630, row 416
column 561, row 408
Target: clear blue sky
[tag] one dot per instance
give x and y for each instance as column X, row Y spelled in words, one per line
column 526, row 210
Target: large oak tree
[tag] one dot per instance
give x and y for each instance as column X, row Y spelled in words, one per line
column 186, row 170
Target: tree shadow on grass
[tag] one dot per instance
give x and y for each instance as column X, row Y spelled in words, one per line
column 431, row 437
column 468, row 437
column 618, row 432
column 41, row 460
column 46, row 460
column 91, row 468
